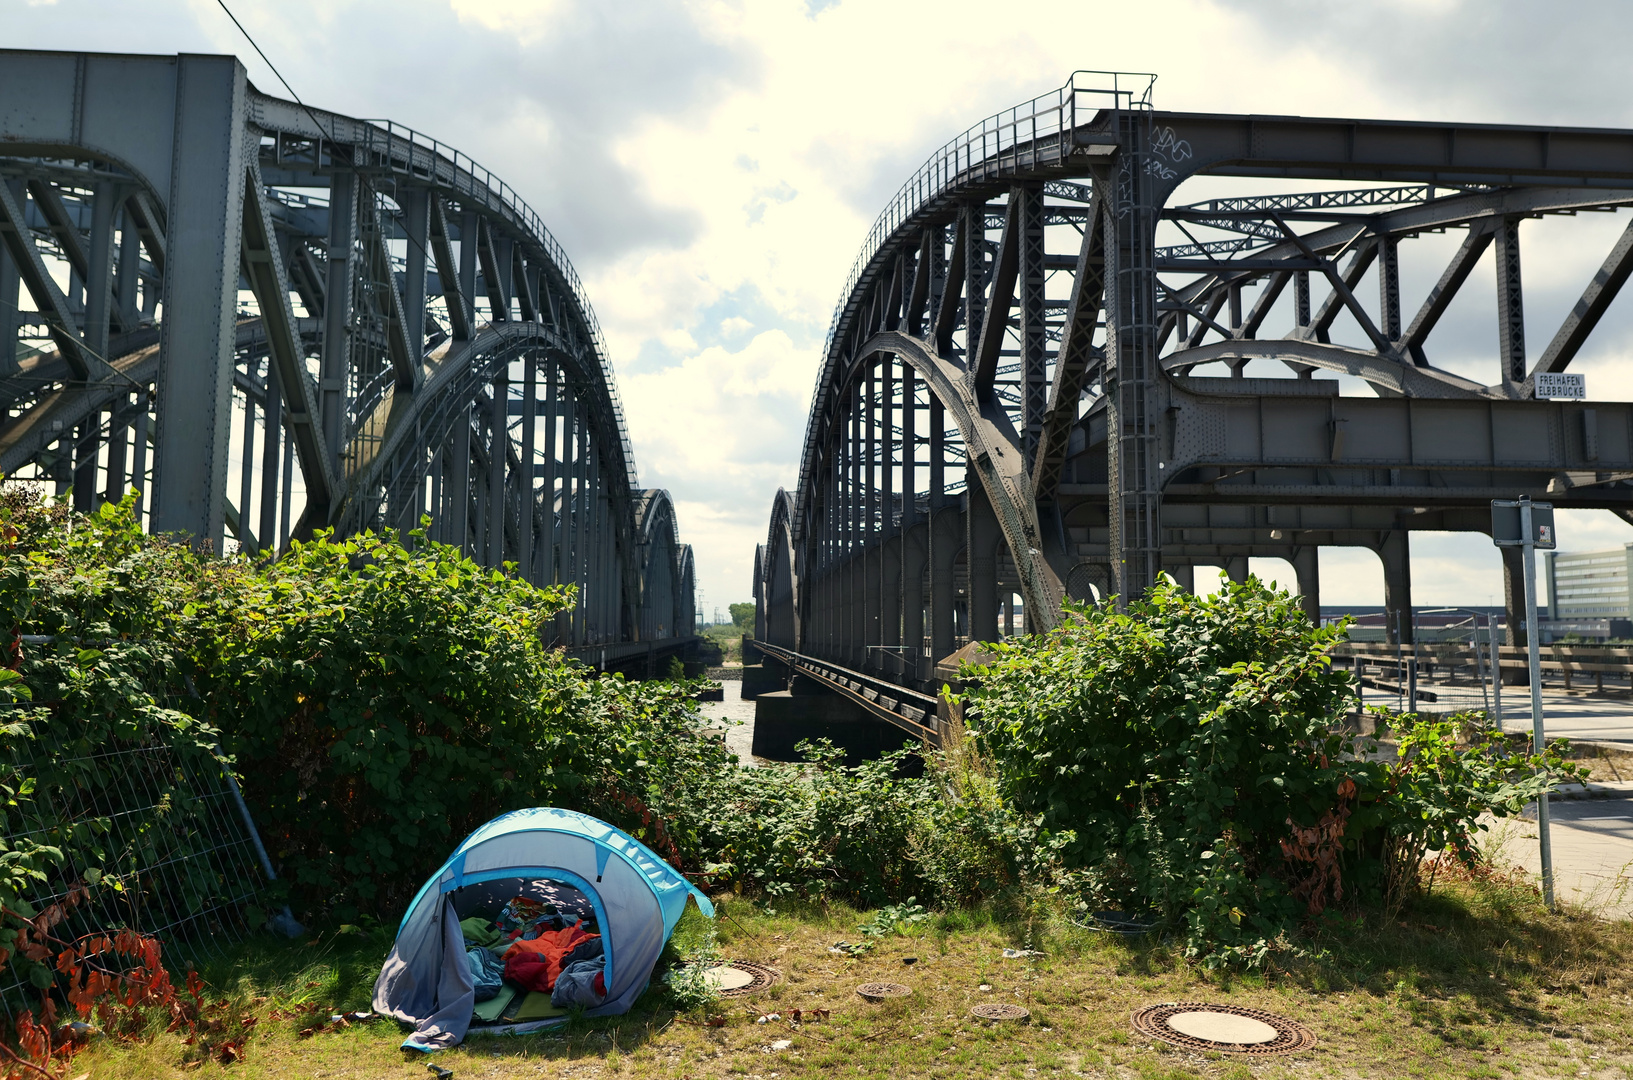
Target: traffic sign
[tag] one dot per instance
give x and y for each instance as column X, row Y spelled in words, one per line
column 1505, row 524
column 1561, row 384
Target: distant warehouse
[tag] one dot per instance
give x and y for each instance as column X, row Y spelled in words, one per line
column 1590, row 588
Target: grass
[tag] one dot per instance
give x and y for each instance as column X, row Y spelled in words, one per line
column 1604, row 765
column 730, row 640
column 1477, row 980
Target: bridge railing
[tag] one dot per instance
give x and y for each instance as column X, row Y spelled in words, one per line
column 1035, row 133
column 913, row 712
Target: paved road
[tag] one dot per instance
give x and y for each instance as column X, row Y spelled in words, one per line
column 1593, row 849
column 1565, row 715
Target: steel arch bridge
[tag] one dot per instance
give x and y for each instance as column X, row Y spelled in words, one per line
column 1035, row 381
column 271, row 319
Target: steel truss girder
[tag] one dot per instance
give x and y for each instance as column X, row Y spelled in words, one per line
column 1431, row 448
column 386, row 402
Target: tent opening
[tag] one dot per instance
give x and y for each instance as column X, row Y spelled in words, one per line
column 534, row 945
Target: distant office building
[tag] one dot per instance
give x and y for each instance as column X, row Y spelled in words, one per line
column 1589, row 585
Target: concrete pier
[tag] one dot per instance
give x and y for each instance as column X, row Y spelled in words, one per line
column 784, row 718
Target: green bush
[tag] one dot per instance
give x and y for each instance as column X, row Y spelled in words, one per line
column 94, row 729
column 381, row 703
column 1186, row 759
column 1435, row 794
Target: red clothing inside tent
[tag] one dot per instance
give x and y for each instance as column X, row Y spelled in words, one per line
column 536, row 964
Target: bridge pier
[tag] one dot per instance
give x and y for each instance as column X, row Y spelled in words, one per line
column 807, row 710
column 915, row 547
column 981, row 552
column 1396, row 555
column 945, row 527
column 1307, row 565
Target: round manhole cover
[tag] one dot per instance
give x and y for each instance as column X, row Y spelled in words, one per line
column 878, row 991
column 997, row 1011
column 739, row 978
column 1226, row 1029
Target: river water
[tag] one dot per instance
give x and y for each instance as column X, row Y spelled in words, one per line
column 735, row 717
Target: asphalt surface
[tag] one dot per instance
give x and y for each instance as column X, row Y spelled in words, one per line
column 1592, row 840
column 1566, row 715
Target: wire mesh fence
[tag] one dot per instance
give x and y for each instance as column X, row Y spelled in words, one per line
column 153, row 819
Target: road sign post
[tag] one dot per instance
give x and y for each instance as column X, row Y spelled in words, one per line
column 1524, row 524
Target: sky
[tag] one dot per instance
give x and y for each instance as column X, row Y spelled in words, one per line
column 712, row 169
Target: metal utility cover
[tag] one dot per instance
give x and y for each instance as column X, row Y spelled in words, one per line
column 739, row 978
column 878, row 991
column 1225, row 1029
column 1000, row 1011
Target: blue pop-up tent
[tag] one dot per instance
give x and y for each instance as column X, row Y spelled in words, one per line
column 637, row 899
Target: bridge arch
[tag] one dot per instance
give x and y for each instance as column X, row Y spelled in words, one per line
column 1016, row 397
column 281, row 319
column 667, row 603
column 776, row 579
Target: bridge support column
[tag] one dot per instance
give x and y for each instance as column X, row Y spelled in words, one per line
column 1514, row 605
column 583, row 555
column 915, row 544
column 438, row 504
column 1396, row 555
column 204, row 238
column 337, row 312
column 890, row 545
column 527, row 482
column 1236, row 568
column 547, row 561
column 498, row 458
column 270, row 455
column 416, row 204
column 915, row 538
column 874, row 524
column 1306, row 565
column 981, row 552
column 854, row 577
column 567, row 548
column 890, row 583
column 944, row 543
column 459, row 464
column 1184, row 576
column 1131, row 368
column 11, row 283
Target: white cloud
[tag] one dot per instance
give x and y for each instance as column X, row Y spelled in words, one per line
column 713, row 165
column 715, row 429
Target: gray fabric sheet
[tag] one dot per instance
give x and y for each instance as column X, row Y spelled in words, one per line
column 416, row 987
column 576, row 986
